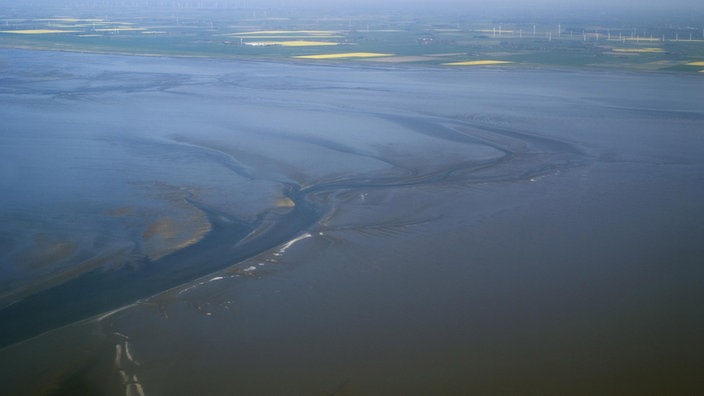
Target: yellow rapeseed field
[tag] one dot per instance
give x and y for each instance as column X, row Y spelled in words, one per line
column 37, row 31
column 69, row 19
column 120, row 29
column 639, row 50
column 638, row 39
column 306, row 32
column 345, row 55
column 477, row 63
column 293, row 43
column 287, row 37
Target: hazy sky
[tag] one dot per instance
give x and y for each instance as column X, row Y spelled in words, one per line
column 488, row 3
column 664, row 4
column 693, row 9
column 636, row 4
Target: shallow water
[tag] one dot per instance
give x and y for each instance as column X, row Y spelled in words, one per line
column 179, row 226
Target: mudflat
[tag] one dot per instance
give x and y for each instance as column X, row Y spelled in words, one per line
column 190, row 226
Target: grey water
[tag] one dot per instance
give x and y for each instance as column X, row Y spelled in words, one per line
column 181, row 226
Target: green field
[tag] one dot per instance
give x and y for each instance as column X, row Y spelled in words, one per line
column 307, row 36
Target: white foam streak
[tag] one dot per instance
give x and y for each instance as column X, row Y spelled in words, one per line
column 128, row 354
column 114, row 311
column 134, row 390
column 118, row 356
column 280, row 251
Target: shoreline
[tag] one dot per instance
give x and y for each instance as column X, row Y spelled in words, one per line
column 361, row 63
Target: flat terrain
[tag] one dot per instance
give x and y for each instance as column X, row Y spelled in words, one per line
column 197, row 226
column 262, row 201
column 433, row 39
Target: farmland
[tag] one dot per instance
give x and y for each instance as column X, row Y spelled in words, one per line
column 313, row 36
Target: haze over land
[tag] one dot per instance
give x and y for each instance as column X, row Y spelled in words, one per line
column 595, row 35
column 507, row 7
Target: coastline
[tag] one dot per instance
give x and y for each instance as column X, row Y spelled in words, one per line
column 361, row 63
